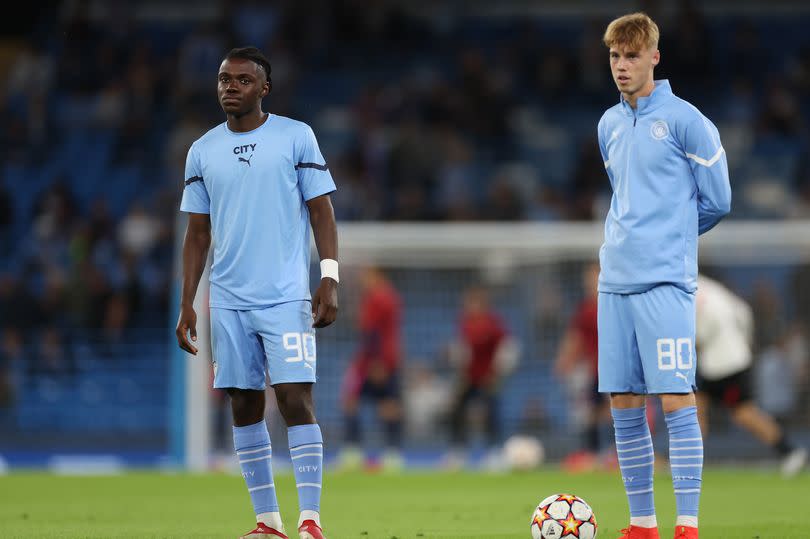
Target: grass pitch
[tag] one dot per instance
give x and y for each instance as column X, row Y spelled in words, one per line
column 736, row 503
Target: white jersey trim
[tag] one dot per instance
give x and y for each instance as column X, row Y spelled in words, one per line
column 706, row 162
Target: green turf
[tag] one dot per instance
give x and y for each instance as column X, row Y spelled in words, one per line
column 736, row 504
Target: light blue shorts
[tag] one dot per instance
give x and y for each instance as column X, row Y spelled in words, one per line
column 279, row 339
column 647, row 341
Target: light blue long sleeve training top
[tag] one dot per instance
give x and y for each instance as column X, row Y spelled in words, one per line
column 670, row 183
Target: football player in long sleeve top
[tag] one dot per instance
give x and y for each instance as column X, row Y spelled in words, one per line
column 670, row 183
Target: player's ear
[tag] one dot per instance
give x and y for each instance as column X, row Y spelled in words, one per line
column 656, row 57
column 268, row 86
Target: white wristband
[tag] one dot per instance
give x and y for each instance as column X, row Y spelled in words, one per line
column 329, row 268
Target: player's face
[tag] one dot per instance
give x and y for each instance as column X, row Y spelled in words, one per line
column 632, row 70
column 241, row 86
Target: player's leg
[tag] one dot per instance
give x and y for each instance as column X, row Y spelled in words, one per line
column 239, row 369
column 289, row 345
column 665, row 326
column 306, row 446
column 389, row 410
column 352, row 392
column 459, row 411
column 621, row 375
column 738, row 396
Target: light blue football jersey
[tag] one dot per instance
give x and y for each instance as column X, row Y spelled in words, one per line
column 670, row 183
column 255, row 186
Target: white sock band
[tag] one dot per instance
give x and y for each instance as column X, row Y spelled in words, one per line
column 329, row 268
column 644, row 522
column 684, row 520
column 271, row 519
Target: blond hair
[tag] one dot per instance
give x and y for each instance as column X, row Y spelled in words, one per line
column 635, row 32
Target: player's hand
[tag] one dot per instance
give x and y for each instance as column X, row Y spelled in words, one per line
column 187, row 323
column 325, row 303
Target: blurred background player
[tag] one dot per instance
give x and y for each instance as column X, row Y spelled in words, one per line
column 669, row 176
column 723, row 339
column 482, row 356
column 374, row 373
column 254, row 185
column 577, row 360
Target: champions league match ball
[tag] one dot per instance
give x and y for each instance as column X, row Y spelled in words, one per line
column 563, row 516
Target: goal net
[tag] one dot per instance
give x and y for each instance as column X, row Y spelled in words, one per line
column 534, row 273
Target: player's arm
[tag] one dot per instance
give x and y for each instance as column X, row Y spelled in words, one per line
column 603, row 149
column 324, row 228
column 707, row 158
column 195, row 253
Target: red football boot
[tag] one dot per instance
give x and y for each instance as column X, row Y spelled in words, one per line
column 263, row 531
column 309, row 530
column 637, row 532
column 686, row 532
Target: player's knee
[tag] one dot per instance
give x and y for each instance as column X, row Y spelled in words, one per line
column 296, row 406
column 671, row 402
column 247, row 406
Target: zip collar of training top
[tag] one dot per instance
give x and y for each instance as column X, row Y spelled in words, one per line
column 660, row 95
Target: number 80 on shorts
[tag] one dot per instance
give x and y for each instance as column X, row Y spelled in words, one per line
column 671, row 354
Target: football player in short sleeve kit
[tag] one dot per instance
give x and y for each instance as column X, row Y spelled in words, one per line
column 669, row 176
column 255, row 184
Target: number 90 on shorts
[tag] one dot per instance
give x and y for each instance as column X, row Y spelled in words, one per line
column 276, row 343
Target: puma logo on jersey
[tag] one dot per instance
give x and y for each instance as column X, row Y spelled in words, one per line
column 682, row 375
column 246, row 160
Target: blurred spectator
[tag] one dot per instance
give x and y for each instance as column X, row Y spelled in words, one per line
column 775, row 370
column 12, row 366
column 374, row 372
column 52, row 359
column 483, row 355
column 6, row 222
column 426, row 401
column 138, row 231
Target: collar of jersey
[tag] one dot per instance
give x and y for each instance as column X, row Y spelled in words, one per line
column 660, row 94
column 252, row 131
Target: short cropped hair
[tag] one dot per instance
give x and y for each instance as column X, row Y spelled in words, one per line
column 636, row 31
column 254, row 55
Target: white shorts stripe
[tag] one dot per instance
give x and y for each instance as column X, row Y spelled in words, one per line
column 313, row 485
column 698, row 465
column 634, row 448
column 637, row 465
column 266, row 457
column 688, row 491
column 260, row 487
column 634, row 440
column 307, row 446
column 686, row 439
column 687, row 457
column 306, row 455
column 251, row 451
column 685, row 448
column 639, row 491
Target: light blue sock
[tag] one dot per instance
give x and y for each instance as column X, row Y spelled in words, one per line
column 252, row 444
column 685, row 458
column 634, row 448
column 306, row 453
